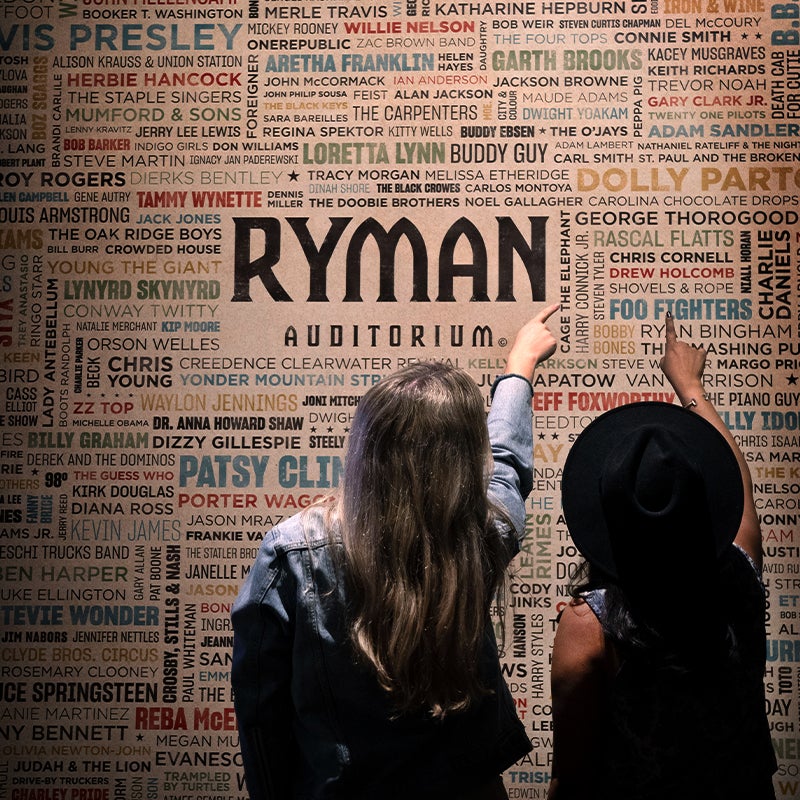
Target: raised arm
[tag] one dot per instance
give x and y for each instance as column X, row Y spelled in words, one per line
column 533, row 344
column 683, row 366
column 509, row 420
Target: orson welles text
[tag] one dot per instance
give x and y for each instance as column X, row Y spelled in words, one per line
column 462, row 252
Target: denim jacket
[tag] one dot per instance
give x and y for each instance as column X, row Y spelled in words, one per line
column 313, row 723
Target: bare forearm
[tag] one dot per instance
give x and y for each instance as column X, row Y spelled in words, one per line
column 692, row 395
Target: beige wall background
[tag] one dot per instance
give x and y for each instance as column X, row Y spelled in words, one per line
column 220, row 222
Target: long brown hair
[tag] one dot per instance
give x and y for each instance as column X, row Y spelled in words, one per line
column 423, row 557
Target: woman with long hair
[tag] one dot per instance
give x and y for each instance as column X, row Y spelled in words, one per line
column 658, row 661
column 365, row 661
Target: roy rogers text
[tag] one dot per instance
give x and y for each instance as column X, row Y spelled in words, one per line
column 461, row 256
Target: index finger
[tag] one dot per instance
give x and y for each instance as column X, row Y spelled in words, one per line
column 670, row 329
column 546, row 313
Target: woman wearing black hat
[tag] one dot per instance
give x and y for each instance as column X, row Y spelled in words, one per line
column 658, row 662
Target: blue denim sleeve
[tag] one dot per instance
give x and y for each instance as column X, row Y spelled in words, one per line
column 262, row 619
column 511, row 437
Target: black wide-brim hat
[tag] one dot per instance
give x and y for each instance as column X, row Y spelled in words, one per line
column 692, row 439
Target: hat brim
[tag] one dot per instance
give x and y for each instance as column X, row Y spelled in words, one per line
column 580, row 483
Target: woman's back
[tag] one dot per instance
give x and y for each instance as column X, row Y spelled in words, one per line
column 346, row 739
column 687, row 729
